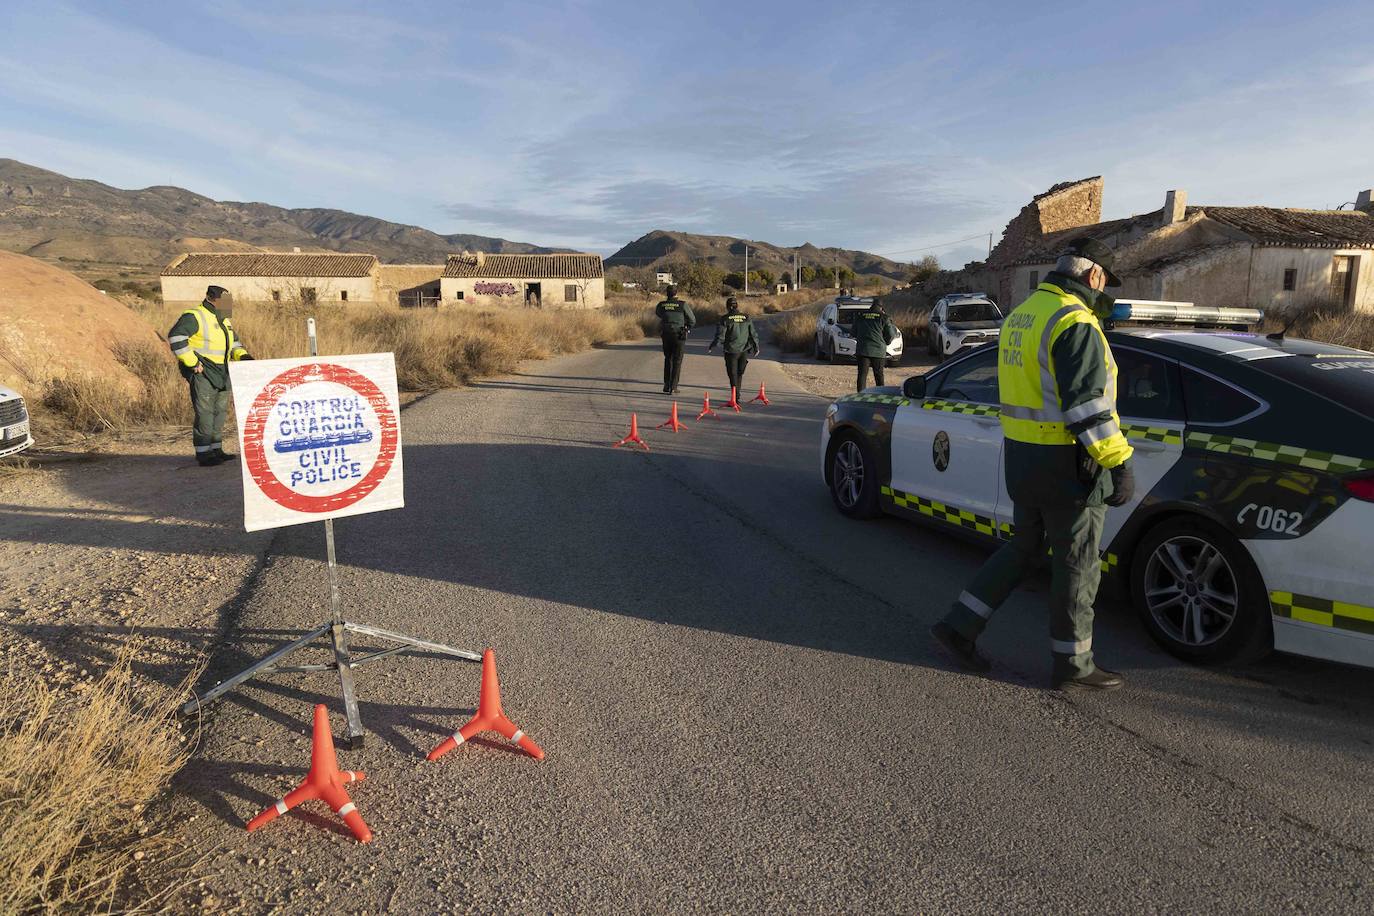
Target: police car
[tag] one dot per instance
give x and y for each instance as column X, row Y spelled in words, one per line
column 14, row 423
column 1254, row 463
column 835, row 330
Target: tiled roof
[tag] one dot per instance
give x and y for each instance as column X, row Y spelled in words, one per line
column 271, row 264
column 1298, row 228
column 524, row 266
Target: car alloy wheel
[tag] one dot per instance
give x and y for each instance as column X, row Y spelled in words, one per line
column 1191, row 591
column 848, row 474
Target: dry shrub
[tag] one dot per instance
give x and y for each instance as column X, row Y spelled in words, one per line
column 795, row 331
column 77, row 773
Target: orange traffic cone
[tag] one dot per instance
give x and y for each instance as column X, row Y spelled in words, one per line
column 706, row 407
column 733, row 402
column 324, row 781
column 761, row 396
column 672, row 422
column 489, row 717
column 634, row 434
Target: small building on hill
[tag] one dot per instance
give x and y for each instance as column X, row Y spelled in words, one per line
column 1262, row 257
column 524, row 280
column 273, row 277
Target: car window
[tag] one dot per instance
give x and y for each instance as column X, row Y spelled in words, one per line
column 974, row 311
column 1211, row 401
column 972, row 379
column 1147, row 386
column 847, row 316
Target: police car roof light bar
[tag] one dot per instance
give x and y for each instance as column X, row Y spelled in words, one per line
column 1183, row 313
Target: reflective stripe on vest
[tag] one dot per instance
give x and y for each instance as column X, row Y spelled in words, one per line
column 1047, row 424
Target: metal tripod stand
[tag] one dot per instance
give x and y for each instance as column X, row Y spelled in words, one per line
column 337, row 630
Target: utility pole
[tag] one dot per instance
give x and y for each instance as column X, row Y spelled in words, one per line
column 796, row 273
column 989, row 246
column 746, row 268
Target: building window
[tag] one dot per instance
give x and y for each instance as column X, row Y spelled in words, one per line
column 1034, row 280
column 1290, row 280
column 458, row 295
column 343, row 295
column 276, row 295
column 308, row 295
column 570, row 292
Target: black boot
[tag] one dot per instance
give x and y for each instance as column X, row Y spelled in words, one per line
column 1097, row 679
column 209, row 459
column 961, row 650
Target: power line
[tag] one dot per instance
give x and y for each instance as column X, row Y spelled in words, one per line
column 893, row 254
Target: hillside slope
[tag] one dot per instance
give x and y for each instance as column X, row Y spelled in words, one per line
column 662, row 246
column 47, row 215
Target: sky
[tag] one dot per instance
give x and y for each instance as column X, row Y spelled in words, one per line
column 900, row 128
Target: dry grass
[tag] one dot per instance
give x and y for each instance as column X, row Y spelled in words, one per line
column 1343, row 328
column 77, row 773
column 434, row 349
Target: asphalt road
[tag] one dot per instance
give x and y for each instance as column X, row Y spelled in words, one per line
column 739, row 705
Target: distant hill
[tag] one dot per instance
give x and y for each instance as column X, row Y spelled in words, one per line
column 87, row 224
column 661, row 247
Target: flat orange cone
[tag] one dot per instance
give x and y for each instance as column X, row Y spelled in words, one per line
column 324, row 781
column 489, row 717
column 672, row 422
column 706, row 410
column 761, row 396
column 634, row 434
column 734, row 401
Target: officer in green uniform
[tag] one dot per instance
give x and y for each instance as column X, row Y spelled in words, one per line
column 675, row 320
column 738, row 340
column 873, row 331
column 204, row 342
column 1066, row 459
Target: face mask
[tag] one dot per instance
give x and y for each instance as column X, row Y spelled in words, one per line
column 1102, row 306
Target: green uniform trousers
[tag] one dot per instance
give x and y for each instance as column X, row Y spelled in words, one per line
column 211, row 406
column 1071, row 532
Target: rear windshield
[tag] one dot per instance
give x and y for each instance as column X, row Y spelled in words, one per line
column 1343, row 375
column 974, row 311
column 847, row 316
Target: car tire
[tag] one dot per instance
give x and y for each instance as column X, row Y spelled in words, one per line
column 1186, row 575
column 856, row 497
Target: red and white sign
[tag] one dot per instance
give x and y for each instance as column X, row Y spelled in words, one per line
column 320, row 438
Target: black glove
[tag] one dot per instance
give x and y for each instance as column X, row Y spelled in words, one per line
column 1123, row 484
column 245, row 356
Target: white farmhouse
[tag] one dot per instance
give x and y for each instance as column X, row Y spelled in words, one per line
column 525, row 280
column 272, row 277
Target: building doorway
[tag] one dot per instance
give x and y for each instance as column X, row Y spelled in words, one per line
column 1342, row 281
column 534, row 296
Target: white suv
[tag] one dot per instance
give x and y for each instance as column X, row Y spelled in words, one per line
column 962, row 320
column 835, row 330
column 14, row 423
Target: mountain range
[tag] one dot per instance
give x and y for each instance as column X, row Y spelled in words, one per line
column 94, row 230
column 661, row 247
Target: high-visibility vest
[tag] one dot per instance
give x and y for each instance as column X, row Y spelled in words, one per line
column 210, row 341
column 1031, row 407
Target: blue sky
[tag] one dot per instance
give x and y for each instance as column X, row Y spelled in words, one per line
column 888, row 127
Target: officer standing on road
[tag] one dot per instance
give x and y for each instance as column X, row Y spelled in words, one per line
column 873, row 331
column 738, row 341
column 675, row 319
column 1065, row 459
column 203, row 341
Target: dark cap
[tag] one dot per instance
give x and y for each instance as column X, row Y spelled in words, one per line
column 670, row 290
column 731, row 302
column 214, row 292
column 1087, row 247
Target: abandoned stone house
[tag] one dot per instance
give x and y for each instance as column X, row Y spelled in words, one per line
column 300, row 277
column 1265, row 257
column 530, row 280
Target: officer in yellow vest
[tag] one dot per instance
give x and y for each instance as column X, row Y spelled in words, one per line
column 203, row 341
column 1066, row 460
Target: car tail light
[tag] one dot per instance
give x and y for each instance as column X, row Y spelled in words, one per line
column 1360, row 488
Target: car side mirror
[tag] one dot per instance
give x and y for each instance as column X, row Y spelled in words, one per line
column 830, row 321
column 934, row 319
column 914, row 387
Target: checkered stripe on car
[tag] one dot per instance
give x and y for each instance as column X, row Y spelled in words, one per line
column 1311, row 459
column 1322, row 611
column 891, row 399
column 977, row 410
column 941, row 512
column 1153, row 433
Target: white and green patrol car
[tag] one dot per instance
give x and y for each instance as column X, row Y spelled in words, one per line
column 1254, row 463
column 14, row 423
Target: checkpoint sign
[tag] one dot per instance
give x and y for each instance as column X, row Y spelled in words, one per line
column 320, row 438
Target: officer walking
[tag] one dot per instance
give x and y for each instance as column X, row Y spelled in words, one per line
column 1066, row 460
column 738, row 341
column 873, row 331
column 675, row 319
column 203, row 341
